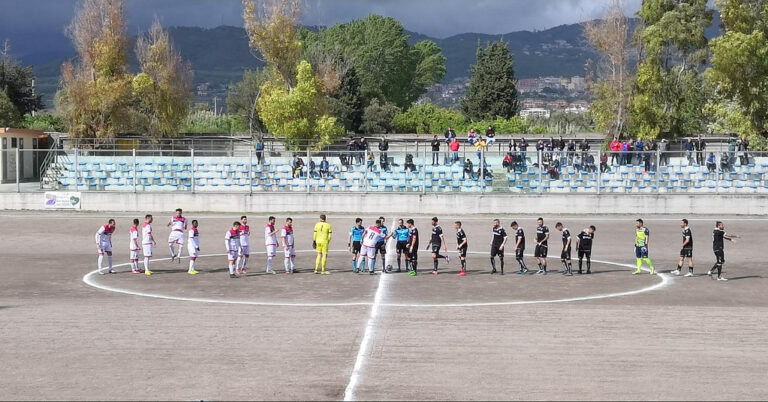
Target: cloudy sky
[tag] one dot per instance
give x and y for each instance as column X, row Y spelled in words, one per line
column 438, row 18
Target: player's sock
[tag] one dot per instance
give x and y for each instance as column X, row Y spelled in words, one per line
column 434, row 262
column 269, row 263
column 639, row 263
column 650, row 264
column 238, row 261
column 398, row 263
column 569, row 266
column 679, row 267
column 719, row 270
column 361, row 263
column 690, row 270
column 245, row 261
column 101, row 261
column 287, row 264
column 191, row 265
column 463, row 265
column 317, row 262
column 354, row 264
column 293, row 263
column 589, row 265
column 146, row 264
column 109, row 261
column 539, row 264
column 324, row 260
column 501, row 264
column 493, row 264
column 231, row 267
column 544, row 266
column 173, row 252
column 373, row 264
column 383, row 262
column 580, row 261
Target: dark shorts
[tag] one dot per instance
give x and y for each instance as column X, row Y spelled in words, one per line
column 540, row 251
column 436, row 248
column 720, row 256
column 565, row 254
column 686, row 252
column 496, row 252
column 402, row 246
column 519, row 253
column 641, row 252
column 463, row 251
column 356, row 245
column 382, row 247
column 585, row 253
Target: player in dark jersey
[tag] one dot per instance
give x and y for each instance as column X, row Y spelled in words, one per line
column 718, row 246
column 353, row 243
column 519, row 247
column 584, row 245
column 497, row 245
column 565, row 254
column 381, row 246
column 686, row 250
column 402, row 234
column 461, row 246
column 435, row 242
column 542, row 235
column 413, row 247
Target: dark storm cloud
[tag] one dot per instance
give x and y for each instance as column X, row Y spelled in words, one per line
column 432, row 17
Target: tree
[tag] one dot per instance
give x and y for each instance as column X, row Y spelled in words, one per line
column 740, row 59
column 492, row 87
column 346, row 103
column 301, row 113
column 426, row 118
column 243, row 97
column 96, row 89
column 388, row 67
column 16, row 81
column 378, row 118
column 272, row 27
column 669, row 93
column 9, row 115
column 609, row 77
column 164, row 86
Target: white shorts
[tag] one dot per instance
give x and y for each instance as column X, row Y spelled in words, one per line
column 271, row 250
column 369, row 252
column 176, row 237
column 245, row 250
column 105, row 247
column 290, row 252
column 146, row 250
column 192, row 251
column 232, row 255
column 134, row 255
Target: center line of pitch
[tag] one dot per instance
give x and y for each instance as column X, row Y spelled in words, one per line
column 365, row 344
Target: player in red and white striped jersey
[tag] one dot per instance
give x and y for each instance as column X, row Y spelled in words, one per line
column 270, row 241
column 134, row 247
column 147, row 242
column 245, row 246
column 371, row 238
column 193, row 247
column 232, row 243
column 103, row 239
column 178, row 225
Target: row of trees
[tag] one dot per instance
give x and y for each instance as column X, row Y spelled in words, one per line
column 17, row 94
column 666, row 78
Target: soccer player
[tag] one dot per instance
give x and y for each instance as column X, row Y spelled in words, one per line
column 642, row 240
column 718, row 246
column 103, row 239
column 245, row 246
column 193, row 247
column 584, row 245
column 288, row 245
column 371, row 238
column 178, row 225
column 461, row 246
column 232, row 243
column 497, row 245
column 412, row 257
column 381, row 246
column 320, row 241
column 540, row 252
column 435, row 242
column 354, row 242
column 147, row 242
column 519, row 247
column 134, row 247
column 565, row 255
column 270, row 241
column 686, row 250
column 402, row 234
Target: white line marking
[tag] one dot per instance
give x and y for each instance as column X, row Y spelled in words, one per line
column 365, row 344
column 88, row 280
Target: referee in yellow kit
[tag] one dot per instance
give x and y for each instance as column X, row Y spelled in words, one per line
column 320, row 241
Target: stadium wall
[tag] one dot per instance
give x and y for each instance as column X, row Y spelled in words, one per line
column 437, row 204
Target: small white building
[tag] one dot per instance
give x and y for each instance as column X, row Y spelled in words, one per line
column 26, row 141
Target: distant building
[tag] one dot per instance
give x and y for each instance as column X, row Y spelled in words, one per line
column 534, row 112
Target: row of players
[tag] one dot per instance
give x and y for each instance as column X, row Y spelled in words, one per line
column 365, row 243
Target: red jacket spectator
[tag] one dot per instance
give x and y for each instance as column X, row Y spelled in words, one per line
column 454, row 146
column 615, row 145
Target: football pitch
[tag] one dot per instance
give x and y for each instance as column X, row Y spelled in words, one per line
column 69, row 333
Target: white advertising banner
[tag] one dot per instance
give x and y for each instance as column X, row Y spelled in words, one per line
column 62, row 200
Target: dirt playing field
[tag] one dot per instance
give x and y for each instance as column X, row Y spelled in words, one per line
column 68, row 334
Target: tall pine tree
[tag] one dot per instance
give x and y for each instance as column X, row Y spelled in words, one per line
column 493, row 88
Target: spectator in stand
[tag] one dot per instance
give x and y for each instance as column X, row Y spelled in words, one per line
column 550, row 145
column 732, row 147
column 571, row 147
column 725, row 163
column 409, row 165
column 512, row 145
column 454, row 147
column 258, row 147
column 561, row 149
column 589, row 163
column 711, row 164
column 604, row 163
column 324, row 167
column 688, row 147
column 639, row 148
column 615, row 146
column 362, row 149
column 490, row 135
column 449, row 135
column 435, row 151
column 480, row 148
column 471, row 136
column 624, row 148
column 663, row 146
column 383, row 148
column 743, row 148
column 523, row 146
column 298, row 167
column 699, row 145
column 370, row 162
column 651, row 146
column 351, row 147
column 468, row 170
column 313, row 169
column 508, row 161
column 584, row 148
